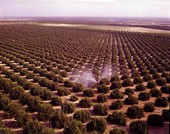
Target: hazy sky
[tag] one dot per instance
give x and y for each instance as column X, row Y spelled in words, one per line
column 93, row 8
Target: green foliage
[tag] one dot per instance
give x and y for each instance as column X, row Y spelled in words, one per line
column 34, row 103
column 155, row 120
column 46, row 94
column 5, row 85
column 116, row 94
column 155, row 92
column 85, row 103
column 30, row 75
column 144, row 96
column 48, row 131
column 50, row 75
column 103, row 89
column 100, row 109
column 147, row 77
column 168, row 79
column 161, row 82
column 58, row 79
column 151, row 84
column 97, row 124
column 127, row 82
column 75, row 127
column 35, row 89
column 144, row 72
column 165, row 89
column 149, row 107
column 114, row 78
column 16, row 92
column 63, row 74
column 68, row 83
column 161, row 102
column 4, row 101
column 82, row 115
column 140, row 87
column 73, row 98
column 59, row 120
column 27, row 85
column 24, row 99
column 56, row 101
column 101, row 98
column 68, row 107
column 124, row 77
column 116, row 105
column 137, row 80
column 129, row 91
column 45, row 112
column 104, row 81
column 1, row 123
column 77, row 88
column 130, row 100
column 118, row 131
column 160, row 69
column 22, row 117
column 168, row 98
column 156, row 76
column 44, row 82
column 34, row 127
column 62, row 91
column 139, row 127
column 164, row 74
column 88, row 93
column 116, row 85
column 23, row 72
column 6, row 131
column 12, row 109
column 134, row 112
column 166, row 114
column 117, row 118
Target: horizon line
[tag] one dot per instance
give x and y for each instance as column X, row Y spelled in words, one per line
column 83, row 17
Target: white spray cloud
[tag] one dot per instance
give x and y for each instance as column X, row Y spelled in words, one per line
column 106, row 72
column 85, row 78
column 115, row 69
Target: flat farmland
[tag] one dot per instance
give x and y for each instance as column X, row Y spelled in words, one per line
column 73, row 79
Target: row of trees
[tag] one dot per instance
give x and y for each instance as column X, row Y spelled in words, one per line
column 37, row 54
column 64, row 57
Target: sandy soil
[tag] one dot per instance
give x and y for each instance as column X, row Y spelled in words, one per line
column 98, row 27
column 114, row 28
